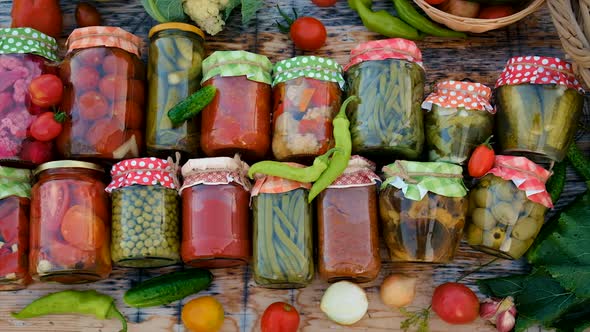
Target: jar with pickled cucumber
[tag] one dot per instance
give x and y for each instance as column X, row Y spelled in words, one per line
column 507, row 207
column 388, row 77
column 176, row 51
column 458, row 118
column 282, row 233
column 145, row 213
column 423, row 207
column 539, row 103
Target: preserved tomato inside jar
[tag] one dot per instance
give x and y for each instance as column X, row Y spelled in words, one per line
column 14, row 236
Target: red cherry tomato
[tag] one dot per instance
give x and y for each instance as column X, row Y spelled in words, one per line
column 455, row 303
column 46, row 90
column 435, row 2
column 113, row 87
column 47, row 126
column 92, row 56
column 84, row 78
column 481, row 160
column 279, row 317
column 308, row 33
column 497, row 11
column 93, row 105
column 324, row 3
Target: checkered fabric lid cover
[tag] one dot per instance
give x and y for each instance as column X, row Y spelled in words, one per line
column 215, row 171
column 394, row 48
column 360, row 172
column 266, row 184
column 104, row 36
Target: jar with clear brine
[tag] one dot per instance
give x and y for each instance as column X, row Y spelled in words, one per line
column 70, row 223
column 507, row 207
column 104, row 95
column 539, row 104
column 145, row 213
column 458, row 118
column 388, row 77
column 176, row 52
column 423, row 206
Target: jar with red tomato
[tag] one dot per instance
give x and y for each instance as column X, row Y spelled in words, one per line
column 216, row 213
column 25, row 54
column 15, row 193
column 238, row 118
column 307, row 93
column 104, row 95
column 70, row 223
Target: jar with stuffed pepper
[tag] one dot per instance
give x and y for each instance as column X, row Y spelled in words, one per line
column 507, row 207
column 15, row 193
column 216, row 213
column 282, row 227
column 307, row 95
column 387, row 75
column 70, row 223
column 539, row 104
column 238, row 118
column 145, row 213
column 423, row 206
column 176, row 53
column 459, row 117
column 104, row 95
column 25, row 54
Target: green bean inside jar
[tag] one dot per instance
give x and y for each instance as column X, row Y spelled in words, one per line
column 145, row 213
column 507, row 207
column 539, row 103
column 388, row 77
column 458, row 118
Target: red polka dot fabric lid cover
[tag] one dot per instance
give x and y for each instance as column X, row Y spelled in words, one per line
column 360, row 172
column 394, row 48
column 455, row 94
column 144, row 171
column 539, row 70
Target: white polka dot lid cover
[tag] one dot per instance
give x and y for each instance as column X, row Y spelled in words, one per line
column 538, row 70
column 312, row 66
column 459, row 94
column 27, row 41
column 144, row 171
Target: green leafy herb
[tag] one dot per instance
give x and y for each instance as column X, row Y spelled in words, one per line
column 249, row 9
column 418, row 319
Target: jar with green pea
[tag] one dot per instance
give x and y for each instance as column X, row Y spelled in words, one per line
column 145, row 213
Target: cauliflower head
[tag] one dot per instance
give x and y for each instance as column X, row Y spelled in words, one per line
column 208, row 14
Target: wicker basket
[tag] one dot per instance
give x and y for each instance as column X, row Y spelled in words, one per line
column 477, row 25
column 572, row 21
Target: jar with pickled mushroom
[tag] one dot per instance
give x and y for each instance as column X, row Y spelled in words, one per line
column 215, row 213
column 539, row 103
column 388, row 77
column 104, row 95
column 15, row 193
column 70, row 226
column 348, row 236
column 423, row 206
column 282, row 227
column 176, row 52
column 238, row 118
column 145, row 213
column 458, row 118
column 25, row 54
column 507, row 207
column 307, row 92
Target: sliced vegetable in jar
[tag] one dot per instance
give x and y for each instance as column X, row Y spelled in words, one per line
column 82, row 228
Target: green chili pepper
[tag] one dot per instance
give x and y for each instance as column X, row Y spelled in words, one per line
column 341, row 157
column 88, row 302
column 382, row 22
column 410, row 15
column 285, row 171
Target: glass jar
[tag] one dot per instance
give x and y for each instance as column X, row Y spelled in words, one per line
column 539, row 104
column 176, row 51
column 145, row 213
column 70, row 223
column 104, row 95
column 459, row 117
column 15, row 193
column 388, row 77
column 348, row 236
column 238, row 118
column 507, row 207
column 423, row 206
column 282, row 248
column 307, row 92
column 25, row 54
column 216, row 213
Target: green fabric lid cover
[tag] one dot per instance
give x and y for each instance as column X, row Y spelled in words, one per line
column 416, row 179
column 15, row 182
column 254, row 66
column 312, row 66
column 28, row 41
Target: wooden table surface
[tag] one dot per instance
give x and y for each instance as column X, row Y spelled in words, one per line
column 480, row 58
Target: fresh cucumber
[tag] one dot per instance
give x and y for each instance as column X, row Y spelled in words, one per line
column 192, row 105
column 557, row 181
column 580, row 163
column 168, row 288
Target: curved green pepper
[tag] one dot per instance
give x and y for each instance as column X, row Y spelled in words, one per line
column 382, row 22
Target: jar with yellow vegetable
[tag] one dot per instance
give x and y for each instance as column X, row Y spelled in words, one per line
column 423, row 206
column 145, row 213
column 507, row 207
column 539, row 103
